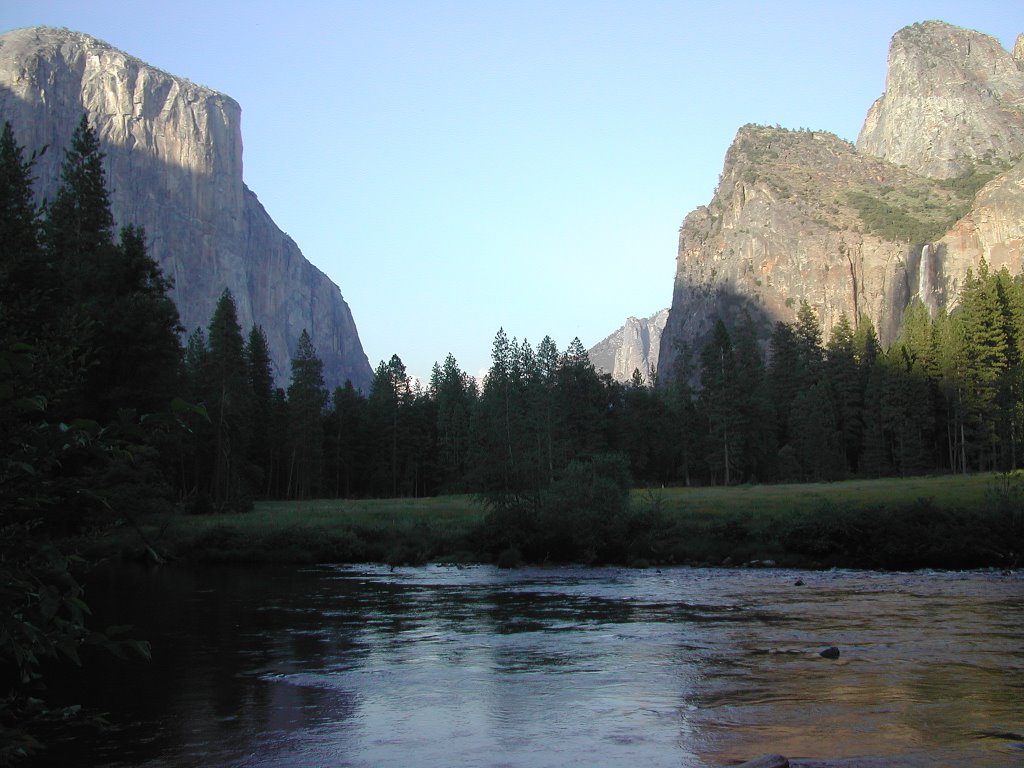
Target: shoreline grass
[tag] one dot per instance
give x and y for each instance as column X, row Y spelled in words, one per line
column 938, row 521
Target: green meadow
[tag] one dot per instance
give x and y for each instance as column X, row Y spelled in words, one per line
column 945, row 521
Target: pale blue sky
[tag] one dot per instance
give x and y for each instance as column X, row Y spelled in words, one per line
column 456, row 167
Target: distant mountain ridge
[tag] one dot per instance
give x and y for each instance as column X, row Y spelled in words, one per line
column 633, row 347
column 174, row 165
column 934, row 184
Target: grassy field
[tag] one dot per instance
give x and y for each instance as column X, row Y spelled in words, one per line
column 946, row 521
column 946, row 491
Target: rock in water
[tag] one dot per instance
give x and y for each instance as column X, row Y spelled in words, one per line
column 766, row 761
column 174, row 165
column 830, row 653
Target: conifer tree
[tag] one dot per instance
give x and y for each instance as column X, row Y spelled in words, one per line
column 79, row 226
column 455, row 394
column 346, row 458
column 389, row 401
column 981, row 316
column 307, row 398
column 844, row 378
column 127, row 346
column 680, row 403
column 25, row 280
column 754, row 403
column 261, row 387
column 581, row 406
column 720, row 391
column 229, row 401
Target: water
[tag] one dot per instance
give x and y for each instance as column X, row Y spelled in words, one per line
column 440, row 666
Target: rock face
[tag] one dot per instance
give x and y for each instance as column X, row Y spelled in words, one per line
column 174, row 163
column 863, row 231
column 951, row 96
column 635, row 346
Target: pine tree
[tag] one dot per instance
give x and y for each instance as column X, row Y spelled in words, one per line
column 844, row 377
column 307, row 398
column 261, row 387
column 140, row 354
column 949, row 351
column 348, row 434
column 229, row 401
column 815, row 437
column 455, row 394
column 389, row 401
column 79, row 226
column 718, row 398
column 754, row 403
column 786, row 378
column 497, row 429
column 982, row 316
column 25, row 280
column 581, row 406
column 127, row 341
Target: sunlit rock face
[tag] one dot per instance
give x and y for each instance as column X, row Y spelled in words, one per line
column 633, row 347
column 805, row 216
column 174, row 165
column 952, row 96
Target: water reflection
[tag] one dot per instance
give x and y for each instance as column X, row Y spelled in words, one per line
column 444, row 666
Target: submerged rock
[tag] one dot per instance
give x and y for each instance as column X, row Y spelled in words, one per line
column 766, row 761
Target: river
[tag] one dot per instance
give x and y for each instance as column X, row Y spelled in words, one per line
column 447, row 666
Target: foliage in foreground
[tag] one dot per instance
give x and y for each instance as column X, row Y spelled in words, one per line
column 88, row 344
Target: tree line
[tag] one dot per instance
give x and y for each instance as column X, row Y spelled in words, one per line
column 91, row 334
column 944, row 397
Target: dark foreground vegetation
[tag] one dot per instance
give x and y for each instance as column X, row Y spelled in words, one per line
column 113, row 430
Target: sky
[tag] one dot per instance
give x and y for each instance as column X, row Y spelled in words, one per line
column 462, row 166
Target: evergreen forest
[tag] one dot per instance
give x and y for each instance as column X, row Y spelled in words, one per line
column 112, row 408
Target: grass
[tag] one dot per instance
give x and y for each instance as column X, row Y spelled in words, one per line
column 942, row 521
column 946, row 491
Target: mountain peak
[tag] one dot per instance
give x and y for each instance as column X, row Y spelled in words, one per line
column 952, row 96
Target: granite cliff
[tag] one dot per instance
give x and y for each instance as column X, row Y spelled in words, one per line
column 174, row 164
column 934, row 184
column 633, row 347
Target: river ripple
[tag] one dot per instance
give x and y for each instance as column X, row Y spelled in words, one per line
column 445, row 666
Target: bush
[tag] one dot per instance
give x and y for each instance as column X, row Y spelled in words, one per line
column 583, row 516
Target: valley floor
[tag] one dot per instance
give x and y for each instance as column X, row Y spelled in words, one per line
column 949, row 522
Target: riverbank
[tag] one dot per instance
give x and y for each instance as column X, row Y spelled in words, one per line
column 951, row 522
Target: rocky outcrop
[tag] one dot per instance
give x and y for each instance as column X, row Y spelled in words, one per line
column 633, row 347
column 862, row 231
column 174, row 163
column 993, row 230
column 952, row 97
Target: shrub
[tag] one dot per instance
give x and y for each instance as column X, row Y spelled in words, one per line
column 583, row 516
